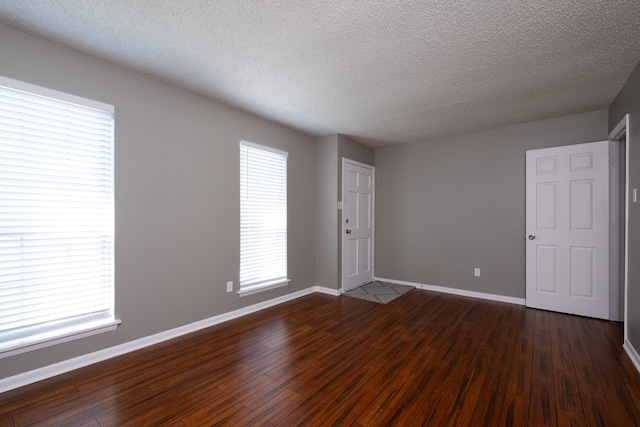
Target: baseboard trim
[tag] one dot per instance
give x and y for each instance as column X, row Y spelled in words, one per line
column 460, row 292
column 65, row 366
column 328, row 291
column 632, row 353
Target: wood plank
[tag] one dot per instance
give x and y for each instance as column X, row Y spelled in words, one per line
column 568, row 399
column 542, row 408
column 514, row 411
column 493, row 393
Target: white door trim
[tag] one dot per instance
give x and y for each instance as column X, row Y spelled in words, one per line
column 342, row 218
column 622, row 128
column 615, row 288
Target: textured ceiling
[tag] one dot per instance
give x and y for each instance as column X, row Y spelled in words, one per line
column 380, row 71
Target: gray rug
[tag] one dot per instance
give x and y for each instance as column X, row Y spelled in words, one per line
column 379, row 292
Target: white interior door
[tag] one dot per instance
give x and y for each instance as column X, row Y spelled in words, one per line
column 567, row 239
column 357, row 223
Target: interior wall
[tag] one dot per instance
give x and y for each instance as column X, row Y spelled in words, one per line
column 628, row 102
column 449, row 205
column 353, row 150
column 326, row 202
column 176, row 195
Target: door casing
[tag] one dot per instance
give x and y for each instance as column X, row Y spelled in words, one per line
column 619, row 132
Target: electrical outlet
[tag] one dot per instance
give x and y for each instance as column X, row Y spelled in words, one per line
column 476, row 272
column 229, row 286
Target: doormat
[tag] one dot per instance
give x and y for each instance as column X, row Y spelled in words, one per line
column 379, row 292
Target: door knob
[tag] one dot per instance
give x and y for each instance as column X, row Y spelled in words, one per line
column 531, row 236
column 348, row 231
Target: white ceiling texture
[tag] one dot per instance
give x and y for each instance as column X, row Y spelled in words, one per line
column 380, row 71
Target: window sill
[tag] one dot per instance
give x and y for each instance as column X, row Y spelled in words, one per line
column 263, row 287
column 23, row 345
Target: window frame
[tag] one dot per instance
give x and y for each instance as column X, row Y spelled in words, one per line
column 53, row 336
column 268, row 283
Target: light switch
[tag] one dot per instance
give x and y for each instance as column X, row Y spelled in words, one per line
column 634, row 195
column 339, row 206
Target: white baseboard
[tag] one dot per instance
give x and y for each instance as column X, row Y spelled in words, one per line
column 328, row 291
column 461, row 292
column 633, row 354
column 45, row 372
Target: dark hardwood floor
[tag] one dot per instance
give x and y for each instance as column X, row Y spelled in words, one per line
column 424, row 359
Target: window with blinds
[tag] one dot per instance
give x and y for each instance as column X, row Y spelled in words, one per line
column 263, row 218
column 56, row 217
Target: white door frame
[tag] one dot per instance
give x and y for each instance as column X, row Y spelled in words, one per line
column 342, row 217
column 622, row 128
column 615, row 313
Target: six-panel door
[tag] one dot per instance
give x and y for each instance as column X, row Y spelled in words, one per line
column 567, row 236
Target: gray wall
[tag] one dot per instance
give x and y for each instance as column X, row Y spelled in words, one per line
column 628, row 102
column 448, row 205
column 352, row 150
column 177, row 203
column 327, row 205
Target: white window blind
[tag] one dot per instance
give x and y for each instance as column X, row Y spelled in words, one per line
column 263, row 217
column 56, row 214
